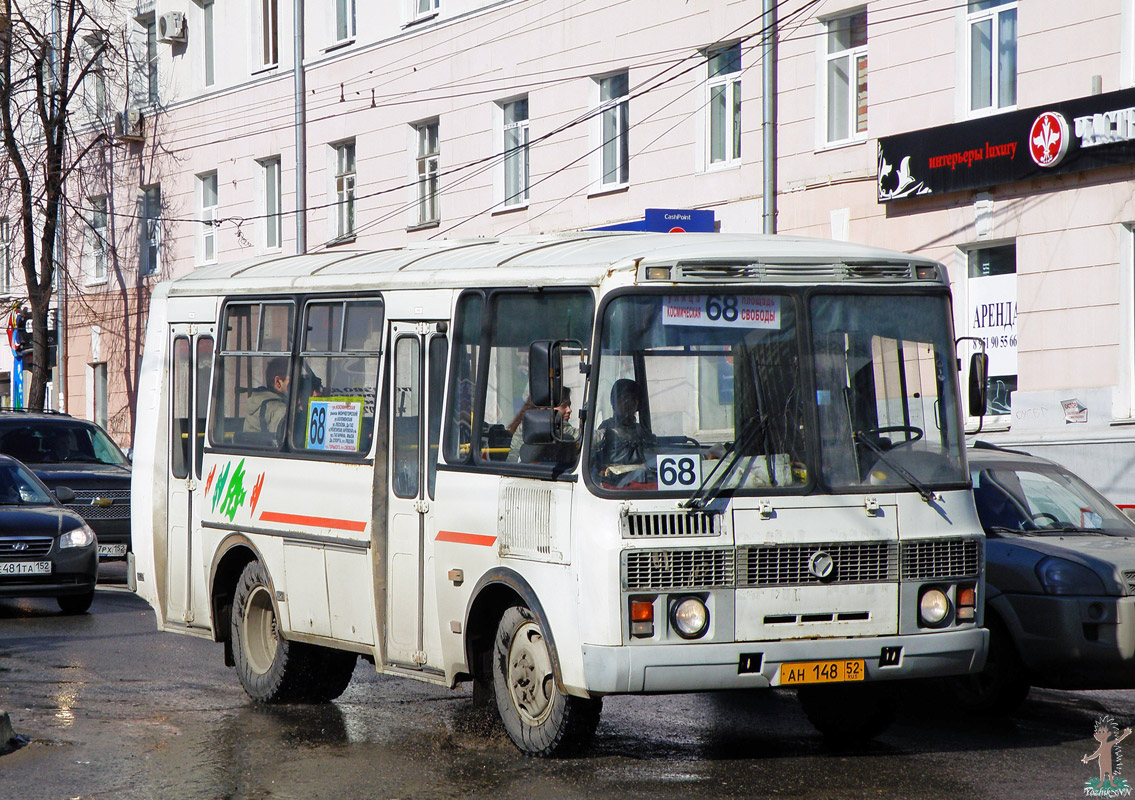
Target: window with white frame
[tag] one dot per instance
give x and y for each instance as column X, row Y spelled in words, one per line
column 614, row 130
column 149, row 229
column 96, row 86
column 992, row 54
column 151, row 65
column 992, row 310
column 5, row 255
column 846, row 76
column 344, row 20
column 273, row 216
column 344, row 188
column 207, row 42
column 268, row 32
column 516, row 170
column 207, row 230
column 425, row 8
column 723, row 89
column 97, row 238
column 428, row 159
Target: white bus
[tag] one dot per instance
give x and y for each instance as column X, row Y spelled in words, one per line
column 564, row 467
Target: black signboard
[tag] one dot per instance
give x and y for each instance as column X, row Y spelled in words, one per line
column 1071, row 136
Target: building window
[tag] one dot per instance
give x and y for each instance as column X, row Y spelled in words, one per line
column 101, row 413
column 516, row 174
column 207, row 42
column 151, row 60
column 5, row 255
column 724, row 97
column 344, row 20
column 269, row 33
column 149, row 229
column 207, row 230
column 846, row 76
column 992, row 307
column 423, row 8
column 614, row 127
column 95, row 48
column 97, row 239
column 273, row 217
column 344, row 189
column 992, row 54
column 427, row 181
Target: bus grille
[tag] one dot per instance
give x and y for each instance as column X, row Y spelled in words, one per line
column 673, row 523
column 941, row 558
column 780, row 565
column 678, row 569
column 795, row 273
column 25, row 546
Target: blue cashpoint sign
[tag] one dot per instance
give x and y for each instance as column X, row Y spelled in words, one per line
column 669, row 220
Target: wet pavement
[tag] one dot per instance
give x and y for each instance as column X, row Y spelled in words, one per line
column 114, row 709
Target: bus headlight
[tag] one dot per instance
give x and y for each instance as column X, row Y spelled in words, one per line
column 690, row 617
column 933, row 607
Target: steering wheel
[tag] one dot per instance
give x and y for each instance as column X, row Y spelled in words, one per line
column 914, row 433
column 1048, row 520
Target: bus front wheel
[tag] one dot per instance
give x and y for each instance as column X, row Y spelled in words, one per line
column 846, row 714
column 539, row 718
column 271, row 669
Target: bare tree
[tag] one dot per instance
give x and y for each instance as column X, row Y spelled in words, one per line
column 47, row 50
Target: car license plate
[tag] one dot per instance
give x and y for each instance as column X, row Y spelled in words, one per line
column 838, row 671
column 25, row 567
column 109, row 550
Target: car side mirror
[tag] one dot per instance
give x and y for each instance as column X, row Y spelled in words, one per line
column 64, row 494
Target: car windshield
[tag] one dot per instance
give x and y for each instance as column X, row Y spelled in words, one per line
column 1042, row 499
column 886, row 391
column 690, row 383
column 18, row 487
column 59, row 442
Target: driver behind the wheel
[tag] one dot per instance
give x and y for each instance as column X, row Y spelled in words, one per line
column 622, row 439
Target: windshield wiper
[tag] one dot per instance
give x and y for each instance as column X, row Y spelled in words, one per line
column 924, row 492
column 728, row 460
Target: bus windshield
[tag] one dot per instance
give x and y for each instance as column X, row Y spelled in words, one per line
column 698, row 392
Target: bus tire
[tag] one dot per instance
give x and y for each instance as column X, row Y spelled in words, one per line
column 271, row 669
column 847, row 714
column 331, row 672
column 540, row 719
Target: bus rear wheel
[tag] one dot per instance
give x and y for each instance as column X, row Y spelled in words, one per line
column 271, row 669
column 540, row 719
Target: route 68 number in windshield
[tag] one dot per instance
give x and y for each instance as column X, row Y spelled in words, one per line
column 681, row 471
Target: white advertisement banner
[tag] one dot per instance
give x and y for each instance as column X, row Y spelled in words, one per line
column 993, row 319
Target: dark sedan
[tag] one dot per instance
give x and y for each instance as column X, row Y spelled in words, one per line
column 45, row 549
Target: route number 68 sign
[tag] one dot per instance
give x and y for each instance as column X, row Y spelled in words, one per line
column 681, row 471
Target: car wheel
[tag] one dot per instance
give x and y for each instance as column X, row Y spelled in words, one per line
column 76, row 603
column 539, row 718
column 271, row 669
column 846, row 714
column 1001, row 686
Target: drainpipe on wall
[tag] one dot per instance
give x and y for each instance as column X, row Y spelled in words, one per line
column 768, row 126
column 301, row 133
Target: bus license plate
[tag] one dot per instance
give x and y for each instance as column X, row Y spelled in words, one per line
column 850, row 669
column 25, row 567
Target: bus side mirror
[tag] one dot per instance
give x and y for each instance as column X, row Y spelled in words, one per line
column 545, row 373
column 978, row 382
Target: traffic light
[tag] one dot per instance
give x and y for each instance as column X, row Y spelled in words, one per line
column 23, row 339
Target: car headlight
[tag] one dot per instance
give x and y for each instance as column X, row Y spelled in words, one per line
column 82, row 536
column 933, row 607
column 690, row 617
column 1061, row 576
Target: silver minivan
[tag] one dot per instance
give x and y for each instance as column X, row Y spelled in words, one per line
column 1060, row 596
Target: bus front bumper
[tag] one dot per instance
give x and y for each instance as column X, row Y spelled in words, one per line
column 756, row 665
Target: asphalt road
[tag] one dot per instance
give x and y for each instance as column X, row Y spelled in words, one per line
column 113, row 709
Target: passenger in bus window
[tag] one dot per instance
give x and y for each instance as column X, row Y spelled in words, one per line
column 622, row 439
column 268, row 404
column 557, row 452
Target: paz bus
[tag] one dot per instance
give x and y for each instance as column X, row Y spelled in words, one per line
column 563, row 467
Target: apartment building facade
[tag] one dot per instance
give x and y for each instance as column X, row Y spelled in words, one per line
column 424, row 119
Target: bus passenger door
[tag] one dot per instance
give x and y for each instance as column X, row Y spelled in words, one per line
column 417, row 363
column 191, row 364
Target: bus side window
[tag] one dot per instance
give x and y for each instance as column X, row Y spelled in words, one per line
column 462, row 378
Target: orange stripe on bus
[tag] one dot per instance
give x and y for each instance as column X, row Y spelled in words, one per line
column 466, row 538
column 315, row 522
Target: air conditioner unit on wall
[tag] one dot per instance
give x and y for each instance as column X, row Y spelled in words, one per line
column 171, row 27
column 128, row 125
